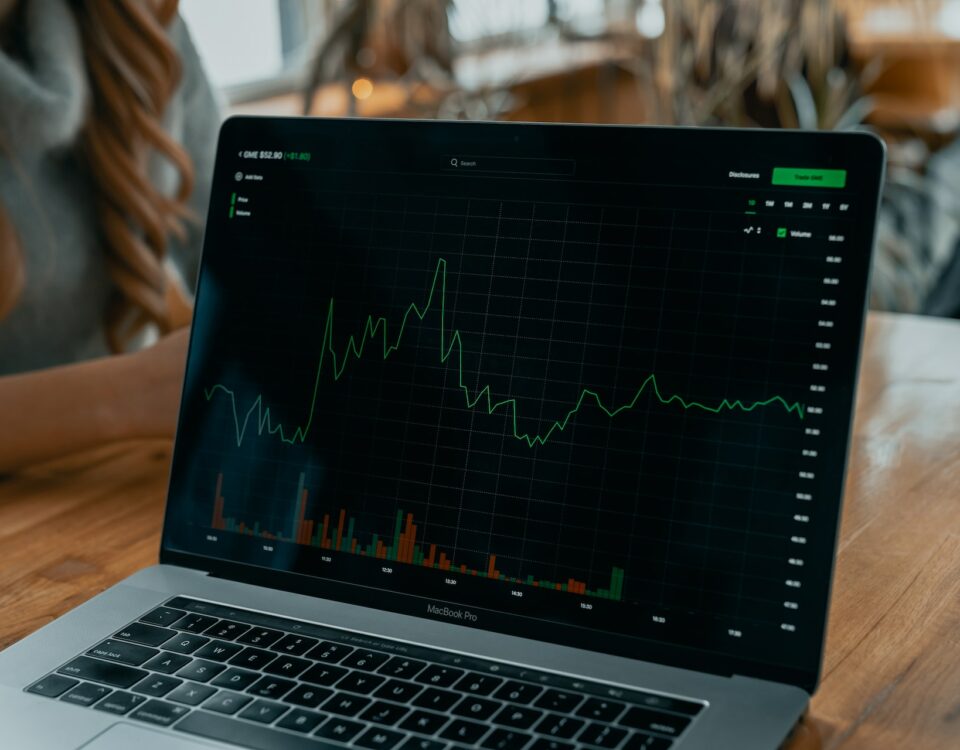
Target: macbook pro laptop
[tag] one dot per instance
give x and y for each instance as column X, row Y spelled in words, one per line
column 509, row 436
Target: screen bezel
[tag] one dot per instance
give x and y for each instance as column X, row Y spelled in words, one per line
column 862, row 151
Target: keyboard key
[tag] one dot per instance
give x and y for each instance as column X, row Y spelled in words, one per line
column 398, row 690
column 185, row 643
column 163, row 616
column 385, row 713
column 421, row 743
column 265, row 712
column 271, row 687
column 644, row 741
column 557, row 700
column 125, row 653
column 561, row 727
column 518, row 692
column 329, row 652
column 253, row 658
column 506, row 739
column 201, row 670
column 461, row 730
column 360, row 682
column 543, row 743
column 655, row 721
column 478, row 684
column 295, row 645
column 52, row 685
column 517, row 717
column 662, row 702
column 338, row 729
column 300, row 720
column 148, row 635
column 226, row 702
column 365, row 659
column 108, row 673
column 602, row 735
column 424, row 722
column 159, row 712
column 286, row 666
column 219, row 651
column 380, row 739
column 402, row 667
column 261, row 637
column 321, row 674
column 194, row 623
column 166, row 662
column 191, row 693
column 244, row 734
column 439, row 676
column 226, row 630
column 346, row 705
column 436, row 699
column 237, row 679
column 308, row 696
column 119, row 703
column 86, row 694
column 156, row 685
column 476, row 708
column 599, row 709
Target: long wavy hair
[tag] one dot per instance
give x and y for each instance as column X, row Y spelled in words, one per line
column 133, row 69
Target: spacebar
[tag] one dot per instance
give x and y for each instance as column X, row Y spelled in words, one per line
column 247, row 735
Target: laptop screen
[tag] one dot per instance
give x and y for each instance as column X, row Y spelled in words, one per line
column 590, row 385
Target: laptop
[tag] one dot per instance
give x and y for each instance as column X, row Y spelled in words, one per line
column 509, row 436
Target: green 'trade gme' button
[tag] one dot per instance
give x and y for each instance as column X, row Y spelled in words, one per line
column 821, row 178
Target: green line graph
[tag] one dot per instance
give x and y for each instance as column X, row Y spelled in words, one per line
column 259, row 413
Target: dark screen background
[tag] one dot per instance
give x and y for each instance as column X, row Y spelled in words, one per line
column 586, row 371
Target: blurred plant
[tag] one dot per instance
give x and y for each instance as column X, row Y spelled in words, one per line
column 753, row 62
column 918, row 228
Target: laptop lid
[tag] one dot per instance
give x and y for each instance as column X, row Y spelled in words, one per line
column 590, row 385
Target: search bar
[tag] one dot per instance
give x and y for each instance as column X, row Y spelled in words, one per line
column 528, row 165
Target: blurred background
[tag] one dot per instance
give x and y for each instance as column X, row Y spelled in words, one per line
column 890, row 66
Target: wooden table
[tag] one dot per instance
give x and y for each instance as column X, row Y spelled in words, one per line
column 892, row 670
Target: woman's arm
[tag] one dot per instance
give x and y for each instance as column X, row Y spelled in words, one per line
column 51, row 413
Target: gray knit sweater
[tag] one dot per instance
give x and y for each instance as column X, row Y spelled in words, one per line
column 60, row 315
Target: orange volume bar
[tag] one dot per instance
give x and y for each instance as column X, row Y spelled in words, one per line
column 343, row 515
column 324, row 541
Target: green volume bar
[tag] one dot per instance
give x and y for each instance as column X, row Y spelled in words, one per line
column 615, row 591
column 392, row 551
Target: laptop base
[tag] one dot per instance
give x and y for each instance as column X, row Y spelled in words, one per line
column 742, row 712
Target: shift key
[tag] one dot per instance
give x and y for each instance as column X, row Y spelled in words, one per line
column 105, row 672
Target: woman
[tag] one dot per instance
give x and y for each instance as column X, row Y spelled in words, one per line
column 107, row 134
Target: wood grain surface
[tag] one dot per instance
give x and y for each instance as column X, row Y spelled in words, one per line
column 891, row 675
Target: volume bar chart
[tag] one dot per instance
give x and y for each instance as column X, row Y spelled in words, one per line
column 338, row 533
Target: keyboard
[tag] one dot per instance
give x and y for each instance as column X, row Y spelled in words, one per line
column 273, row 683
